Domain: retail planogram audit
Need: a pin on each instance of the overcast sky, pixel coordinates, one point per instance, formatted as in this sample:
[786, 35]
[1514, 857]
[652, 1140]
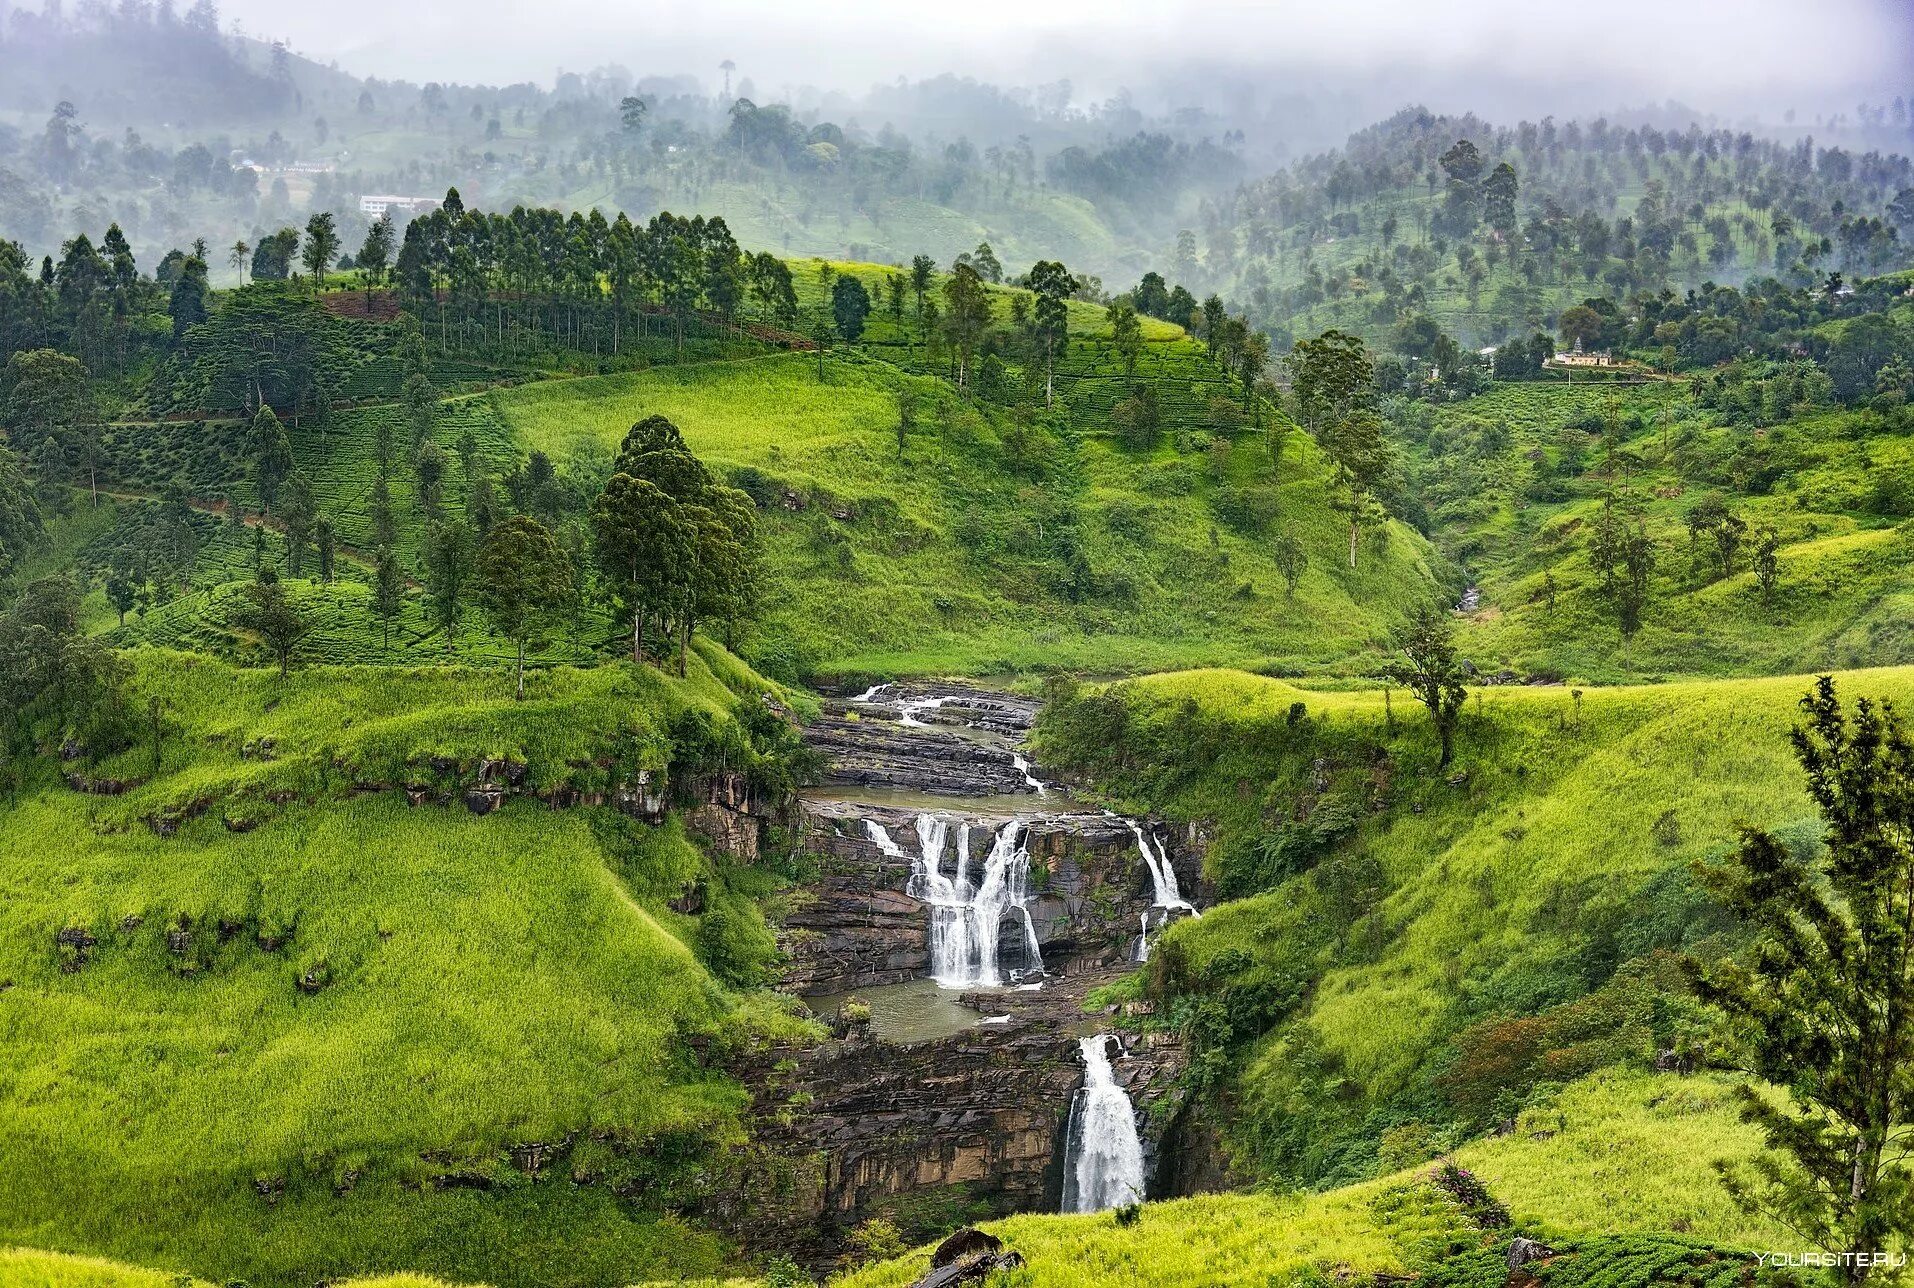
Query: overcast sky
[1733, 56]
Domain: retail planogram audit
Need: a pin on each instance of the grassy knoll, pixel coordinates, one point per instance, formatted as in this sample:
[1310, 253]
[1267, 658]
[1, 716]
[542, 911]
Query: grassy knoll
[1415, 948]
[993, 544]
[1515, 478]
[309, 1034]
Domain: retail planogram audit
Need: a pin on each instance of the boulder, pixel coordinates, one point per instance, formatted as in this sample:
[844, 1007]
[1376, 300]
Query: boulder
[967, 1242]
[1526, 1252]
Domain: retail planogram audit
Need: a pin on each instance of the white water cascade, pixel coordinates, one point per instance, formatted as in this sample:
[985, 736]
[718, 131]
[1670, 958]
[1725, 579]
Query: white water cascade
[966, 917]
[1167, 898]
[1030, 780]
[907, 711]
[1103, 1156]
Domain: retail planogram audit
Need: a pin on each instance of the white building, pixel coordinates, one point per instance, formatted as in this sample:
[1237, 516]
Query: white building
[373, 205]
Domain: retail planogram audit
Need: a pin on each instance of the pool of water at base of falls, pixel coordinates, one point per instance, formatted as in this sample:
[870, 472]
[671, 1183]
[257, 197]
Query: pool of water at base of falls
[917, 1010]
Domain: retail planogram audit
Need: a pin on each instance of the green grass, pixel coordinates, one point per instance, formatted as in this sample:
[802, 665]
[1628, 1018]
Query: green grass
[473, 984]
[1845, 594]
[951, 559]
[1392, 916]
[1614, 1154]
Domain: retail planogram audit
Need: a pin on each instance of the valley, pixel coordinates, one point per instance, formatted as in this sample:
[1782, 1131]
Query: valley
[954, 683]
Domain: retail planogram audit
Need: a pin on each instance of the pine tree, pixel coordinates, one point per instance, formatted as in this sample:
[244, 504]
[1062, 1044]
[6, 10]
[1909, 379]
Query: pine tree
[388, 594]
[1823, 1003]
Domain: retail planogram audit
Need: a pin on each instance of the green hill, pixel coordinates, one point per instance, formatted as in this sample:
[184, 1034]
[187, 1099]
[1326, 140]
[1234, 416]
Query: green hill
[989, 544]
[1598, 1171]
[1003, 537]
[1403, 948]
[1515, 479]
[269, 1020]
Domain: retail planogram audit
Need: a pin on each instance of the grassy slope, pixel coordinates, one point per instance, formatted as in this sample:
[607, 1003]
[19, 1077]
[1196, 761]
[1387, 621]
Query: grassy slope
[955, 557]
[1613, 1154]
[945, 563]
[1846, 592]
[1560, 853]
[489, 982]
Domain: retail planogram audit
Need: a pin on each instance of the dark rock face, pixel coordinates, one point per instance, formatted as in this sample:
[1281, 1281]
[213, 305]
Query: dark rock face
[868, 751]
[729, 814]
[898, 738]
[978, 1119]
[857, 928]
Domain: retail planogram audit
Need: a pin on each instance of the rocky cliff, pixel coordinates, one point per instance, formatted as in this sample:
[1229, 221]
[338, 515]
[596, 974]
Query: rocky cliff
[854, 927]
[930, 1135]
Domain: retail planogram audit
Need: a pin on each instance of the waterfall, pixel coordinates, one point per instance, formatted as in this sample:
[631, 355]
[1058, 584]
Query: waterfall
[1162, 874]
[1166, 899]
[1030, 780]
[907, 712]
[1103, 1156]
[870, 694]
[965, 919]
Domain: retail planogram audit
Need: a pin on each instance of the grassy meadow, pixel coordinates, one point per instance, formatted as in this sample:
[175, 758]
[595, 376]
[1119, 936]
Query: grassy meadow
[1597, 1169]
[1611, 1156]
[1824, 482]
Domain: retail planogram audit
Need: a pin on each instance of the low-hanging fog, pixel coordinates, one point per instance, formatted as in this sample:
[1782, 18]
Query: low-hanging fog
[1739, 60]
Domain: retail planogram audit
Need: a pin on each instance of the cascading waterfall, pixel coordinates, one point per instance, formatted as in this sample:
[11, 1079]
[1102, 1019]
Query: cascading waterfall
[965, 919]
[1030, 780]
[870, 695]
[1167, 899]
[1103, 1155]
[907, 712]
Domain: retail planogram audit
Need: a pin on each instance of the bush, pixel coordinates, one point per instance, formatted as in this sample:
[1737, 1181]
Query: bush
[1248, 510]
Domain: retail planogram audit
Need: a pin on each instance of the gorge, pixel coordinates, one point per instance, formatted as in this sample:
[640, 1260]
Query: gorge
[961, 912]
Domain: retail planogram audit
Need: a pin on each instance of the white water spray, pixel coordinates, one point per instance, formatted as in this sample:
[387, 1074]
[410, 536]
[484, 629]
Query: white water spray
[907, 712]
[870, 695]
[1166, 899]
[1030, 780]
[965, 919]
[1103, 1156]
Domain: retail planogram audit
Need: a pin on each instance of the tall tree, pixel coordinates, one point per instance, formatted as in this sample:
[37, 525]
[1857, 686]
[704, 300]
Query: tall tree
[1361, 453]
[1053, 285]
[375, 253]
[523, 579]
[1431, 670]
[1498, 199]
[643, 547]
[321, 248]
[270, 614]
[1623, 557]
[299, 511]
[850, 305]
[388, 594]
[271, 453]
[968, 316]
[1823, 1003]
[1291, 559]
[1330, 376]
[448, 571]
